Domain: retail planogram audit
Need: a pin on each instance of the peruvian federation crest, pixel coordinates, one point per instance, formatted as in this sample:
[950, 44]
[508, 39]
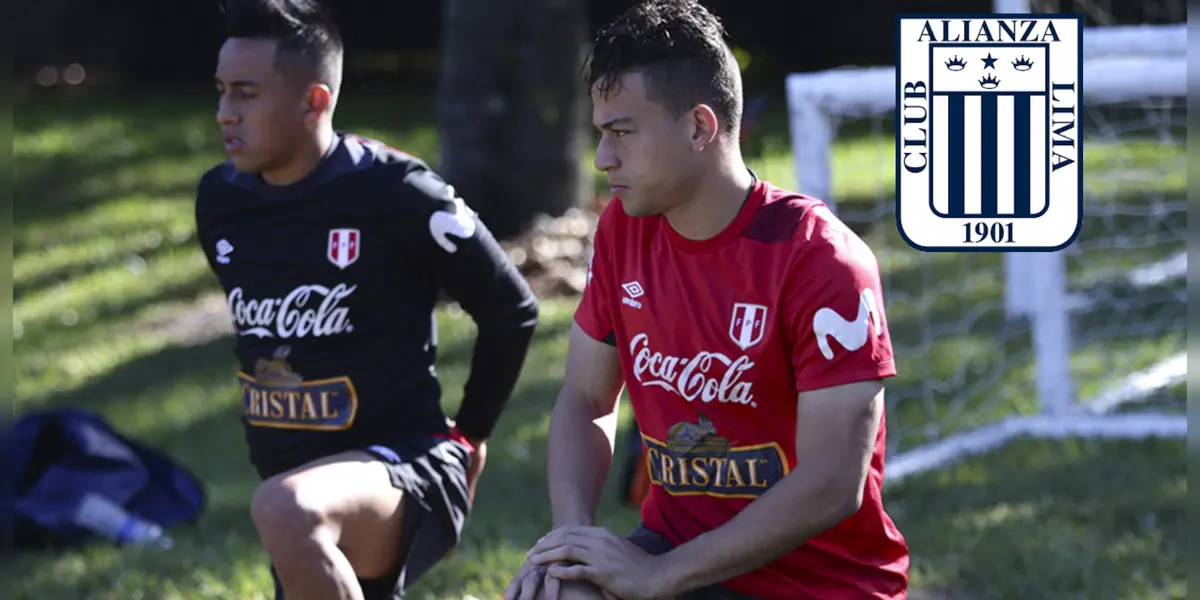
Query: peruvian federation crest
[989, 153]
[343, 247]
[747, 324]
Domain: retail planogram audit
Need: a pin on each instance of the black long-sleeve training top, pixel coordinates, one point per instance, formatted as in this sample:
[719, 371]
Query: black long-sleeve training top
[332, 283]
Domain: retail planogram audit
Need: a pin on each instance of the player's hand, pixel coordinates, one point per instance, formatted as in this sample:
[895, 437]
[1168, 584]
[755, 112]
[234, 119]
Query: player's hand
[602, 557]
[528, 581]
[533, 577]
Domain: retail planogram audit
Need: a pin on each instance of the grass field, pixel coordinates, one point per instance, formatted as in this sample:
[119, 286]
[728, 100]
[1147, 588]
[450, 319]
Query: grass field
[106, 275]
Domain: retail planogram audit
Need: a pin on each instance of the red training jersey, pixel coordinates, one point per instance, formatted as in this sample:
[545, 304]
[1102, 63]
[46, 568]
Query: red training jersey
[716, 338]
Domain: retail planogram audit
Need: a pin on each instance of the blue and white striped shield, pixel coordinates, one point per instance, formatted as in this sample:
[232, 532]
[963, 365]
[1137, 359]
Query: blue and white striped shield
[988, 148]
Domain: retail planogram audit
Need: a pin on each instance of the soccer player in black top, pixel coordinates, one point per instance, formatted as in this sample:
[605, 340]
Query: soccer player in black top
[332, 250]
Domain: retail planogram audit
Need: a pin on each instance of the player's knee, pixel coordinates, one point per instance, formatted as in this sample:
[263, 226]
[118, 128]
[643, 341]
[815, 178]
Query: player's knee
[285, 519]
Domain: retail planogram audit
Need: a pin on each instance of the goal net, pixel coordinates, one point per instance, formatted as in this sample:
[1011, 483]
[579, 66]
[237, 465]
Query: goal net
[1088, 341]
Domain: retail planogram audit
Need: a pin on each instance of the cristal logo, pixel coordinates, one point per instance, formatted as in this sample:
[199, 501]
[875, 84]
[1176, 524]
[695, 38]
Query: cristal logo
[293, 316]
[707, 376]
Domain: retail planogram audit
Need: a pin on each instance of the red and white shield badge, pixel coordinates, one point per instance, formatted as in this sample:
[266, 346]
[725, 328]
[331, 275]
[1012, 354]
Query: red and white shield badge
[343, 247]
[747, 325]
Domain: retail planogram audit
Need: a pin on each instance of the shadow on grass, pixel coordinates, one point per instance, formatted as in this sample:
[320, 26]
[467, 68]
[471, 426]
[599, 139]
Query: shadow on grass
[48, 190]
[181, 291]
[48, 278]
[151, 373]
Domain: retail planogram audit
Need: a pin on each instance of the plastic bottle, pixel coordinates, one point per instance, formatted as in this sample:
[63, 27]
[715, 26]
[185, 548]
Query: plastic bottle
[107, 519]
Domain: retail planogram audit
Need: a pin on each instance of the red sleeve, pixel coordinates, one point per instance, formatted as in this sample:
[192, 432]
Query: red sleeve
[594, 314]
[838, 327]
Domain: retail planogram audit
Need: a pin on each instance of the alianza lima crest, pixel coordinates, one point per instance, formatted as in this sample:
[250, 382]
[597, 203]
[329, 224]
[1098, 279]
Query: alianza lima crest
[989, 152]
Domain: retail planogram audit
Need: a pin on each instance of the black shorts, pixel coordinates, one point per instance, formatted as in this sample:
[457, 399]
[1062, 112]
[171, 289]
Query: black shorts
[432, 473]
[655, 544]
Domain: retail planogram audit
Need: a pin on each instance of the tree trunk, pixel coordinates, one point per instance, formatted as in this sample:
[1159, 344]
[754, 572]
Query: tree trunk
[511, 108]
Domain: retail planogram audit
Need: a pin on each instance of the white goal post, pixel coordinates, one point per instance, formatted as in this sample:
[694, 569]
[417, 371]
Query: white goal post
[1133, 68]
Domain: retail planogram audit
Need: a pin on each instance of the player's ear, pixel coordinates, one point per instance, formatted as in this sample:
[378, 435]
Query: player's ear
[704, 126]
[318, 101]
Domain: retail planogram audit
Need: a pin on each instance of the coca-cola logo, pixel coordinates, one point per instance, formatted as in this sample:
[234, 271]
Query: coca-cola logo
[707, 376]
[307, 311]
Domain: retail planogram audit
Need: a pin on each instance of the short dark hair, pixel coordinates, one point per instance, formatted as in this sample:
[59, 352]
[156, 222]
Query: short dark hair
[308, 37]
[680, 49]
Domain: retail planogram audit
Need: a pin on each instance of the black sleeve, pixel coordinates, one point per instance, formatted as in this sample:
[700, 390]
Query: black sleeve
[460, 254]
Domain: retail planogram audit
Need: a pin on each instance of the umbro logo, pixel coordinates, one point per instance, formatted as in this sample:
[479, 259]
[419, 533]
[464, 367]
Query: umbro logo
[224, 249]
[633, 290]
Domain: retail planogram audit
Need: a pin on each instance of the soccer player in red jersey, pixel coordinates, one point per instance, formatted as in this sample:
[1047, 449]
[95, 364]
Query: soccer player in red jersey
[747, 322]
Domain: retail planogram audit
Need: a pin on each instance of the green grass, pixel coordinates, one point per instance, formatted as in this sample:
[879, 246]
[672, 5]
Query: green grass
[105, 256]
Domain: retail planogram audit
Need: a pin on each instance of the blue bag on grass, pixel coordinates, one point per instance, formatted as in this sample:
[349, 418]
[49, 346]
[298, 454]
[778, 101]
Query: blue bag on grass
[57, 458]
